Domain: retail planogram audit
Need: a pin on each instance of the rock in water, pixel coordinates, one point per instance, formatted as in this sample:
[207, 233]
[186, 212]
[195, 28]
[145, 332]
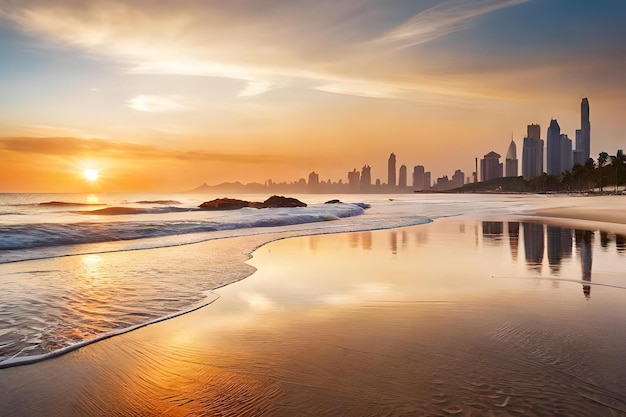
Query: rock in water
[234, 204]
[224, 204]
[280, 201]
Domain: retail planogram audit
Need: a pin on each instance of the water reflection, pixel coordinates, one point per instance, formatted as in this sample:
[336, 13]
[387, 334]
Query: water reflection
[559, 246]
[492, 232]
[533, 245]
[513, 228]
[584, 240]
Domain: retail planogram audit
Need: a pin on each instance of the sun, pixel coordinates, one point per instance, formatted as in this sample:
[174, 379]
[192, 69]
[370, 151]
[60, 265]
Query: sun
[91, 175]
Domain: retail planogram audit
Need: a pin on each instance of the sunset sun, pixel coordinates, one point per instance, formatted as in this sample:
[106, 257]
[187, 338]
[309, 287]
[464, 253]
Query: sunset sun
[91, 175]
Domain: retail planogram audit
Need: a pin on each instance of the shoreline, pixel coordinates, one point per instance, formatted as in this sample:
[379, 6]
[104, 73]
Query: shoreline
[217, 345]
[574, 217]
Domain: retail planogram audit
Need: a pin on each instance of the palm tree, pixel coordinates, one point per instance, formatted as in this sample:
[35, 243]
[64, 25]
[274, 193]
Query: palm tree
[618, 162]
[602, 158]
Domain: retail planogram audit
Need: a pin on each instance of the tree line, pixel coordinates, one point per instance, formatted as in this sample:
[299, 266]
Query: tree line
[607, 172]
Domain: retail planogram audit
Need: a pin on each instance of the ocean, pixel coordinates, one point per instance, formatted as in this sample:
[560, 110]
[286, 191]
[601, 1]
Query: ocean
[76, 268]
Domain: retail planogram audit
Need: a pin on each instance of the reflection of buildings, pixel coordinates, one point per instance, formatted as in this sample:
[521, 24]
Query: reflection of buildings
[559, 246]
[584, 240]
[366, 240]
[533, 245]
[620, 243]
[514, 238]
[492, 231]
[393, 242]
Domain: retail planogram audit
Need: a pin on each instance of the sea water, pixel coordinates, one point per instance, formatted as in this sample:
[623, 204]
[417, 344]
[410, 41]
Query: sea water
[76, 268]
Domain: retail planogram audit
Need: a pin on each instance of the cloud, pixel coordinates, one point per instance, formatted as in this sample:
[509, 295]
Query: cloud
[254, 88]
[103, 148]
[447, 17]
[156, 103]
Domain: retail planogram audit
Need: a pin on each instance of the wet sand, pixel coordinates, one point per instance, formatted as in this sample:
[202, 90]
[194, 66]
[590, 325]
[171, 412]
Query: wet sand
[458, 317]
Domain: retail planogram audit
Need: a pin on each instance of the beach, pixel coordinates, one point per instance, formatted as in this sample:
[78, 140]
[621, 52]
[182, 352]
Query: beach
[472, 315]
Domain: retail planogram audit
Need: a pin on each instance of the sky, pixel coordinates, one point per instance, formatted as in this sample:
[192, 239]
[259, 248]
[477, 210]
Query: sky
[165, 96]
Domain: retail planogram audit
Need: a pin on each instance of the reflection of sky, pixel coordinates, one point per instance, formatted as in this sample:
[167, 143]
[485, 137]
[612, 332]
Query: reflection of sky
[396, 265]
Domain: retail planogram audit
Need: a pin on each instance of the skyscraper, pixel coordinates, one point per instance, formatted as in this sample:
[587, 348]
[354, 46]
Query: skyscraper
[402, 177]
[366, 179]
[579, 154]
[554, 148]
[566, 154]
[391, 171]
[490, 166]
[418, 178]
[532, 152]
[585, 127]
[354, 179]
[511, 165]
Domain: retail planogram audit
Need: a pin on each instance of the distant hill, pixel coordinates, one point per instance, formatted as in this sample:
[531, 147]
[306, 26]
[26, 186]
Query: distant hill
[229, 187]
[498, 185]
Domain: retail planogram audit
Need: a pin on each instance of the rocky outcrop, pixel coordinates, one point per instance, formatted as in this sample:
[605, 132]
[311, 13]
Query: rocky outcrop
[280, 201]
[224, 204]
[335, 201]
[274, 201]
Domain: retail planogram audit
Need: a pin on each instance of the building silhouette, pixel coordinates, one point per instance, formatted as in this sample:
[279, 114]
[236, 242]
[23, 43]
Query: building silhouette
[427, 181]
[532, 152]
[391, 171]
[314, 182]
[418, 178]
[366, 179]
[553, 138]
[585, 130]
[354, 180]
[402, 177]
[511, 165]
[578, 154]
[458, 179]
[490, 166]
[566, 153]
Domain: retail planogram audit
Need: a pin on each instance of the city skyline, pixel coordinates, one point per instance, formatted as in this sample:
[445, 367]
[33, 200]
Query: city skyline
[162, 96]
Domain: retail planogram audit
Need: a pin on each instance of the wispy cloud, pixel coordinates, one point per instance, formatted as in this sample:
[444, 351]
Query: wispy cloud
[157, 103]
[254, 88]
[103, 148]
[447, 17]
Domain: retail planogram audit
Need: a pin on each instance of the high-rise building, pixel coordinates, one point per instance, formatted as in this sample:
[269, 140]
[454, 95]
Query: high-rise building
[354, 179]
[566, 154]
[457, 179]
[585, 127]
[490, 167]
[427, 181]
[366, 179]
[402, 177]
[418, 178]
[579, 154]
[314, 179]
[532, 152]
[391, 171]
[511, 164]
[553, 159]
[534, 131]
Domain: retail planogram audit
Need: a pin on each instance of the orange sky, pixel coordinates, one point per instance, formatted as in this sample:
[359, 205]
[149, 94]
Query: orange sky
[166, 97]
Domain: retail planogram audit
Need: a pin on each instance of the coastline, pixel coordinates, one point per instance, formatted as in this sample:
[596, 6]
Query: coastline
[188, 366]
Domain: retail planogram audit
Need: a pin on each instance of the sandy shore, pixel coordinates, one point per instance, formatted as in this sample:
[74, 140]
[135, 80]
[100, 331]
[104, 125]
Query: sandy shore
[450, 318]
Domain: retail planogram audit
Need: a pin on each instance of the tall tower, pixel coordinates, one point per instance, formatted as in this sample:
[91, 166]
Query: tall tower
[585, 127]
[554, 148]
[391, 171]
[402, 180]
[511, 164]
[366, 179]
